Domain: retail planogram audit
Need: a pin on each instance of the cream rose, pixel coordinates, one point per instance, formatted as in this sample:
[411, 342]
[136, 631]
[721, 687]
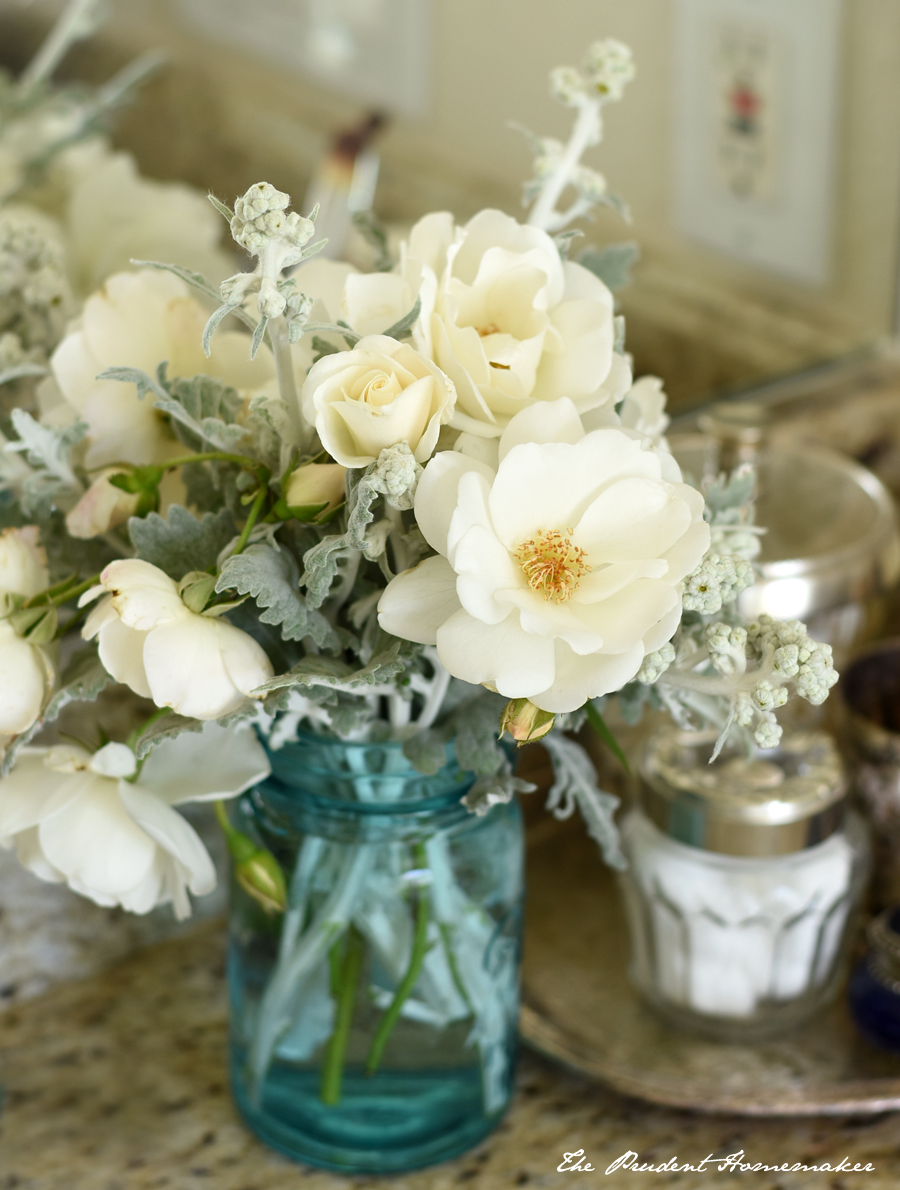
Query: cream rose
[377, 395]
[199, 665]
[26, 673]
[557, 572]
[138, 320]
[114, 835]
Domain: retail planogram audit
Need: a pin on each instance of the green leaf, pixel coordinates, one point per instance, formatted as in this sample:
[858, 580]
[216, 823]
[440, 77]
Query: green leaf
[321, 347]
[403, 328]
[270, 576]
[599, 724]
[165, 728]
[612, 264]
[181, 542]
[81, 681]
[205, 411]
[375, 235]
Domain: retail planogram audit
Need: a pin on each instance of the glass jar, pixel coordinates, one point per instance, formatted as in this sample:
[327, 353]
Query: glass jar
[742, 883]
[373, 1024]
[874, 990]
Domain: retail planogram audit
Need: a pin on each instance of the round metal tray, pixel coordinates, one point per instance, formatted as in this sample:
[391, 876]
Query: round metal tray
[579, 1007]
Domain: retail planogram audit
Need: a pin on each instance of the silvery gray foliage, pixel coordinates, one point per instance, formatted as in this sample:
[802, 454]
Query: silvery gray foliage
[180, 542]
[575, 785]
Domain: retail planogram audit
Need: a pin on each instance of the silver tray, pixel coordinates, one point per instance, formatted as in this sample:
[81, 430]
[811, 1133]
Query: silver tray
[579, 1007]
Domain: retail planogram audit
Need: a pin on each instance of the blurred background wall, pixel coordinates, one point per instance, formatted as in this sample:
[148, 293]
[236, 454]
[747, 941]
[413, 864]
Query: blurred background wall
[225, 113]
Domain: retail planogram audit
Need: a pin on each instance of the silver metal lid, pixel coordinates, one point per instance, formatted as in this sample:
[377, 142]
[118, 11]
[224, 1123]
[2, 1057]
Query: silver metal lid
[781, 801]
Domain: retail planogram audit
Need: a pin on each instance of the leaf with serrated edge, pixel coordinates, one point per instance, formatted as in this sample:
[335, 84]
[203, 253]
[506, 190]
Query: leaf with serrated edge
[181, 542]
[166, 728]
[269, 576]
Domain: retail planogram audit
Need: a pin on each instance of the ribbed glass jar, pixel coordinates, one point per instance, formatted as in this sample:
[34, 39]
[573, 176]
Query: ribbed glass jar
[373, 1024]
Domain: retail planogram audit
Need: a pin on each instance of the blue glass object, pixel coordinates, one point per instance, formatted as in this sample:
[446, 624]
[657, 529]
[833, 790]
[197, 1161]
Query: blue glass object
[373, 1025]
[874, 989]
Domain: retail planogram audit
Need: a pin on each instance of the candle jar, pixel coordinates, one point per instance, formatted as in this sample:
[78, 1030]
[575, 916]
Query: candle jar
[874, 990]
[742, 885]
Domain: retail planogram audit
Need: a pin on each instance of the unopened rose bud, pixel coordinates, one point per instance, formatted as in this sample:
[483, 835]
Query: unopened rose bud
[261, 878]
[102, 507]
[316, 484]
[524, 721]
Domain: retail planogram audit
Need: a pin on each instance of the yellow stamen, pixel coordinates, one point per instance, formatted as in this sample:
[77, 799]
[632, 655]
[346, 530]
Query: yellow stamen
[552, 565]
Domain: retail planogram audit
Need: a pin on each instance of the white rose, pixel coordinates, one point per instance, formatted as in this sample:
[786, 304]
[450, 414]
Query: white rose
[26, 673]
[199, 665]
[558, 572]
[377, 395]
[77, 818]
[512, 323]
[111, 216]
[138, 320]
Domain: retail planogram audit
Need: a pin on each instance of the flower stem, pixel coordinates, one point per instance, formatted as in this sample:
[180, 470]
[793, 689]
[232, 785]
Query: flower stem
[348, 982]
[256, 508]
[62, 592]
[587, 125]
[408, 982]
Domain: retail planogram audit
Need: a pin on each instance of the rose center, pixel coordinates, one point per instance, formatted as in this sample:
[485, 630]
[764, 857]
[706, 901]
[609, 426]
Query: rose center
[552, 565]
[489, 328]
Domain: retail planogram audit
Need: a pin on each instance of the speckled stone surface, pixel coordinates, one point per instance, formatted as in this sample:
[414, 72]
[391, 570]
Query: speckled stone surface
[118, 1083]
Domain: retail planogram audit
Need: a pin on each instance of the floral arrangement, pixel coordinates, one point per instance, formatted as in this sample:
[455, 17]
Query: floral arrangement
[410, 504]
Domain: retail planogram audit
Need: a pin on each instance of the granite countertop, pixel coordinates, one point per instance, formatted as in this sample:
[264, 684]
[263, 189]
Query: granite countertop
[118, 1082]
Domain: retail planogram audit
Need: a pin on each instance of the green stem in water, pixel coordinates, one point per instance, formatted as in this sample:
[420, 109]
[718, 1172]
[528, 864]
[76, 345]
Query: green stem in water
[348, 982]
[408, 982]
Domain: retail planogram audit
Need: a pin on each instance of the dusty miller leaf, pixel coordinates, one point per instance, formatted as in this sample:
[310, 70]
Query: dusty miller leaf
[145, 384]
[270, 576]
[20, 370]
[46, 447]
[166, 728]
[612, 264]
[476, 724]
[402, 328]
[207, 409]
[321, 562]
[388, 660]
[575, 784]
[182, 542]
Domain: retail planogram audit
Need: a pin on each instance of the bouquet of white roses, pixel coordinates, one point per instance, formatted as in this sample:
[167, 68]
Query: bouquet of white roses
[407, 504]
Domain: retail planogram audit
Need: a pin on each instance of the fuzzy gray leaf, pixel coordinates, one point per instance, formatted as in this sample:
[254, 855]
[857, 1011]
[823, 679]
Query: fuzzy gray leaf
[321, 562]
[166, 728]
[205, 408]
[20, 370]
[612, 264]
[214, 319]
[182, 542]
[575, 784]
[402, 328]
[145, 384]
[426, 751]
[258, 336]
[45, 447]
[386, 662]
[476, 725]
[270, 576]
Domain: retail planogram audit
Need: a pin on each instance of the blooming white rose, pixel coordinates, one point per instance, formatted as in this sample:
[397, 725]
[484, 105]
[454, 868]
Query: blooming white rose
[557, 572]
[110, 215]
[199, 665]
[77, 818]
[513, 324]
[377, 395]
[138, 320]
[26, 673]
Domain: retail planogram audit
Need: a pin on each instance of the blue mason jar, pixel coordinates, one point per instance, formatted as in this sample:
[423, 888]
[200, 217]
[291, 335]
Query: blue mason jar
[373, 1024]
